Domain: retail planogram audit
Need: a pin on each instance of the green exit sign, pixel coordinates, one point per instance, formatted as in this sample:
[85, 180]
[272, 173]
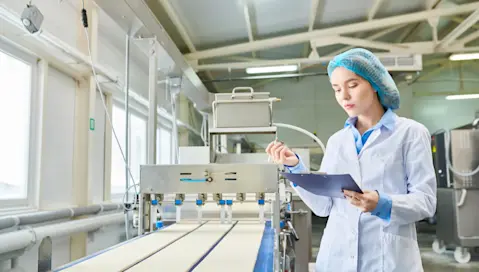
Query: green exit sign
[92, 124]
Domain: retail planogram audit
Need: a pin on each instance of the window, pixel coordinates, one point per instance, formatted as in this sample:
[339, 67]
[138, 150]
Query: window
[163, 146]
[15, 106]
[137, 152]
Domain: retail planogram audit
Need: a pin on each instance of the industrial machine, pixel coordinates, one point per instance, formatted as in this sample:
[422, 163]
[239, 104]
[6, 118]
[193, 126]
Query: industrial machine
[456, 162]
[214, 211]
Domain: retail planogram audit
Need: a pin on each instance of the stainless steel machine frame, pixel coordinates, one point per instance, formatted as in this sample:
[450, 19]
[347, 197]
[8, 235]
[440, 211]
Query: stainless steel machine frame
[219, 178]
[457, 203]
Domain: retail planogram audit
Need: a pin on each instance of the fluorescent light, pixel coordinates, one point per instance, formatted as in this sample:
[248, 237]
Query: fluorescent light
[272, 69]
[462, 96]
[470, 56]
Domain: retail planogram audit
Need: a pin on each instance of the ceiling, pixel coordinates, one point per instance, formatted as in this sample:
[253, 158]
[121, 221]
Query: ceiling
[254, 32]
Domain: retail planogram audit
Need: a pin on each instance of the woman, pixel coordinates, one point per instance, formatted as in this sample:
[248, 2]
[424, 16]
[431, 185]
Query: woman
[390, 159]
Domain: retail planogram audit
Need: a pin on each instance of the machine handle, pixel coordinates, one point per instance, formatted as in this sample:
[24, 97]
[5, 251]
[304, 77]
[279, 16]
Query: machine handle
[243, 88]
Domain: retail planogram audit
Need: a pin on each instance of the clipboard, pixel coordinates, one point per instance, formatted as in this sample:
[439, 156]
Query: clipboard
[323, 184]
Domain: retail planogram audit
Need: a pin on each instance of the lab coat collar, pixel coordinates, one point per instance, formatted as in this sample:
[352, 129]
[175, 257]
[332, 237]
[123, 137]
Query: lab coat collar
[388, 120]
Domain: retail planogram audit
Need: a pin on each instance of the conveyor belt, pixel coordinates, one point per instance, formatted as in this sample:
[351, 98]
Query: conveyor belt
[238, 251]
[183, 254]
[187, 247]
[123, 257]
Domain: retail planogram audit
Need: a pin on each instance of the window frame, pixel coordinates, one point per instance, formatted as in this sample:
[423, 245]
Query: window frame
[139, 114]
[142, 112]
[31, 199]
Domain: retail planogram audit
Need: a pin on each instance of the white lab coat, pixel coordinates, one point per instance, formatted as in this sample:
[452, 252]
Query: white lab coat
[396, 162]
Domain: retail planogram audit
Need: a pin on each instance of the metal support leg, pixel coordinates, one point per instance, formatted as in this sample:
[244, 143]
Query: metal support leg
[275, 224]
[141, 215]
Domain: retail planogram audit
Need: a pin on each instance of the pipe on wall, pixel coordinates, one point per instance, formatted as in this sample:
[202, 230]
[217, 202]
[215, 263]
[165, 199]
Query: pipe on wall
[19, 240]
[46, 216]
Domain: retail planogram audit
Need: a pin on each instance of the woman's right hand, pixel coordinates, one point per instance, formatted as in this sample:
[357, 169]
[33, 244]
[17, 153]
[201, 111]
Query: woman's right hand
[281, 154]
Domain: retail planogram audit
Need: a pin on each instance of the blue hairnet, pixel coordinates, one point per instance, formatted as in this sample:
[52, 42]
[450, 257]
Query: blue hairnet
[367, 65]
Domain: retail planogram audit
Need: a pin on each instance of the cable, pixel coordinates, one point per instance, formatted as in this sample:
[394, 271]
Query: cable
[85, 24]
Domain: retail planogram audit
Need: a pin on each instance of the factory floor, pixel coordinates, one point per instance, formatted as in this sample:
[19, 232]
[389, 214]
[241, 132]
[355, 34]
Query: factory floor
[432, 262]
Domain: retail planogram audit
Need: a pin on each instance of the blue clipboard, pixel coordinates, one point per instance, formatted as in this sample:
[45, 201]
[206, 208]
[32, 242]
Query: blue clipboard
[323, 184]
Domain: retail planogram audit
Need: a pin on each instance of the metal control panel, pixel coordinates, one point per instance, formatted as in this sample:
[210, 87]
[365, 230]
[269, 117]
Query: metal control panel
[209, 178]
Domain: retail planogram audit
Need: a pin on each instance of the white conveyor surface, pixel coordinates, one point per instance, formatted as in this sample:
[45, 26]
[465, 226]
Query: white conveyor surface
[237, 251]
[121, 258]
[186, 252]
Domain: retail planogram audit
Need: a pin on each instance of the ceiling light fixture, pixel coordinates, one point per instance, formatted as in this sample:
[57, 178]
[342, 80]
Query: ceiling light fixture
[469, 56]
[272, 69]
[462, 96]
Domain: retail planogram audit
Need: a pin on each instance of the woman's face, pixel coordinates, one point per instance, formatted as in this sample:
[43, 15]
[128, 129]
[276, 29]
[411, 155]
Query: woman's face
[353, 93]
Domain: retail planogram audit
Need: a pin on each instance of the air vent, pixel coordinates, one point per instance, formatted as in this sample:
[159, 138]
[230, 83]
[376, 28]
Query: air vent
[401, 62]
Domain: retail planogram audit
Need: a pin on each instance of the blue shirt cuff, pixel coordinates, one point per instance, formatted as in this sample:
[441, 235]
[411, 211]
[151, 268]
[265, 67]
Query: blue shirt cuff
[384, 207]
[298, 168]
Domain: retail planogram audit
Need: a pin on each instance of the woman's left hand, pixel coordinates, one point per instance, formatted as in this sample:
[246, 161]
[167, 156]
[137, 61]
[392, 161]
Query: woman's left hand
[366, 202]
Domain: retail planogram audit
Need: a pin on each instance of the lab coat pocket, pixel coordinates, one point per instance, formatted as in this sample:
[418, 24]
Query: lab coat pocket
[400, 254]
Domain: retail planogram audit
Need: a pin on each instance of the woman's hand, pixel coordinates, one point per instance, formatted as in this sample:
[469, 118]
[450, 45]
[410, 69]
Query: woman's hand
[366, 202]
[281, 154]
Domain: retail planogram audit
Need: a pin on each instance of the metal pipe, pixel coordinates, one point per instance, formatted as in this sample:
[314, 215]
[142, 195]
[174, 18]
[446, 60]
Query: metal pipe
[152, 116]
[266, 77]
[127, 127]
[46, 216]
[127, 112]
[175, 136]
[20, 240]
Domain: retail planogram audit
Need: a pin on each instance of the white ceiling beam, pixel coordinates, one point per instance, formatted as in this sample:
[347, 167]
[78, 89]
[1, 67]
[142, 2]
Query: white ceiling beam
[460, 29]
[350, 28]
[358, 42]
[469, 38]
[182, 30]
[417, 48]
[312, 14]
[373, 44]
[374, 9]
[179, 26]
[297, 61]
[248, 20]
[371, 38]
[247, 64]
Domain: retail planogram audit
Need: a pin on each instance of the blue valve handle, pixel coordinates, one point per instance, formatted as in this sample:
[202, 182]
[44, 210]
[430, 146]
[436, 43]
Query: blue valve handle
[193, 180]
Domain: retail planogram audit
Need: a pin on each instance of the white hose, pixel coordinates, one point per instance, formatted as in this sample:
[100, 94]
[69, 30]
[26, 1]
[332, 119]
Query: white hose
[311, 135]
[463, 198]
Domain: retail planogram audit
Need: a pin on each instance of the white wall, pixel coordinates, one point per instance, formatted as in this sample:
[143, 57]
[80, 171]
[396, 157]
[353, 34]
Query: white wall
[434, 111]
[61, 20]
[57, 168]
[57, 155]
